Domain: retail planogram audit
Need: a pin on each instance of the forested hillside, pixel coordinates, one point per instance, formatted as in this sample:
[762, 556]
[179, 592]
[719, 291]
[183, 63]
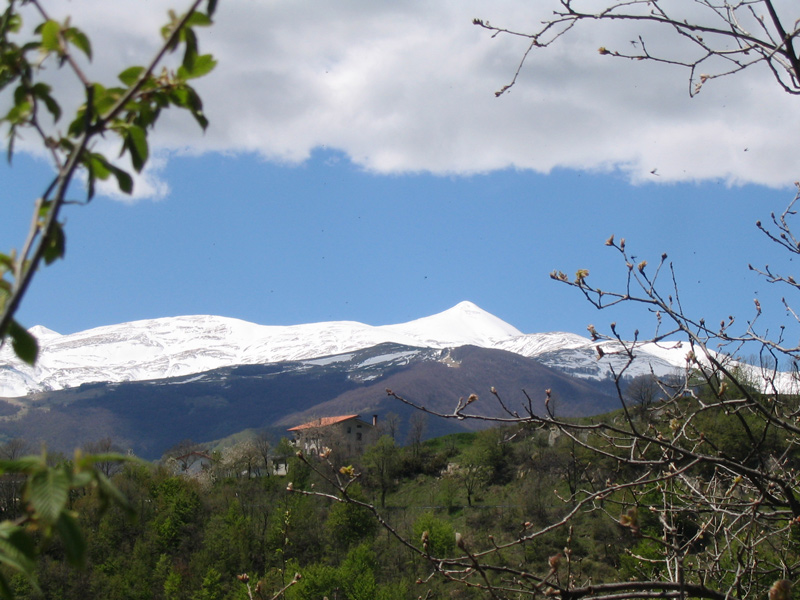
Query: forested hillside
[197, 537]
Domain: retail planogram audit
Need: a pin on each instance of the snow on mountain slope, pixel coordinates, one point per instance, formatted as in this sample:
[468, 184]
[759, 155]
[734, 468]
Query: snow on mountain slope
[534, 344]
[169, 347]
[176, 346]
[577, 355]
[465, 322]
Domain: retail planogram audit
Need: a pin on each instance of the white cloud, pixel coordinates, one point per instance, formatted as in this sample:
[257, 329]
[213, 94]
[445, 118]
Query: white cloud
[409, 86]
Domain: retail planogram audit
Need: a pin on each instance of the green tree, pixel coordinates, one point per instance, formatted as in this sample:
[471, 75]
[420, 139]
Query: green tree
[319, 581]
[357, 573]
[211, 588]
[381, 462]
[349, 524]
[173, 586]
[492, 451]
[177, 506]
[435, 536]
[473, 471]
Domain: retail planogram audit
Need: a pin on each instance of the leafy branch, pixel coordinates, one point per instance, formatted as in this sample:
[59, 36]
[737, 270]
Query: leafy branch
[126, 112]
[46, 496]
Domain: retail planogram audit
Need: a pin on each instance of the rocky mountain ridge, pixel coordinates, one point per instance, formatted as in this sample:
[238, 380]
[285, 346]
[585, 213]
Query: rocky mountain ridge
[180, 346]
[148, 417]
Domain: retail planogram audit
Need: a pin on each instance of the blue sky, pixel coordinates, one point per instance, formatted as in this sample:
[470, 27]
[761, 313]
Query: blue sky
[385, 206]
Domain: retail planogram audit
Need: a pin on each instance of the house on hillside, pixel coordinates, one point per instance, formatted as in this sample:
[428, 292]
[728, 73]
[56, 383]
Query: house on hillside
[192, 463]
[347, 434]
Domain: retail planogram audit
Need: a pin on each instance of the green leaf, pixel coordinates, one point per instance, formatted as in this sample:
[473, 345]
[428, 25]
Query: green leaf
[50, 30]
[168, 29]
[201, 119]
[146, 114]
[72, 538]
[17, 549]
[42, 91]
[78, 125]
[79, 39]
[136, 142]
[101, 99]
[12, 136]
[66, 144]
[202, 65]
[55, 244]
[48, 491]
[24, 344]
[124, 180]
[13, 23]
[81, 479]
[131, 75]
[18, 552]
[44, 208]
[26, 464]
[19, 113]
[97, 166]
[190, 54]
[20, 93]
[198, 19]
[104, 98]
[91, 179]
[187, 98]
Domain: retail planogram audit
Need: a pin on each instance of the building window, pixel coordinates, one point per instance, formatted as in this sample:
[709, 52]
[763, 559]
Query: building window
[349, 429]
[358, 436]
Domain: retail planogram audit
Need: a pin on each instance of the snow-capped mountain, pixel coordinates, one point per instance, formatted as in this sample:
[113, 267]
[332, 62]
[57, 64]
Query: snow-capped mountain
[179, 346]
[148, 417]
[578, 356]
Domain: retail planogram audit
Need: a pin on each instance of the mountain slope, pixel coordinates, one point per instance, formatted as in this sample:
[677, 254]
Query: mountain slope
[172, 347]
[578, 356]
[150, 416]
[180, 346]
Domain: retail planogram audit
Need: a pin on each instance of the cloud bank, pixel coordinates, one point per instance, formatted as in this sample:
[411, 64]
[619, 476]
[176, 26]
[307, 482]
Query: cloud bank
[409, 86]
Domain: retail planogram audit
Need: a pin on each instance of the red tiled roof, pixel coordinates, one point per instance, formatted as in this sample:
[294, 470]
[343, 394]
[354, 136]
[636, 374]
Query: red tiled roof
[323, 422]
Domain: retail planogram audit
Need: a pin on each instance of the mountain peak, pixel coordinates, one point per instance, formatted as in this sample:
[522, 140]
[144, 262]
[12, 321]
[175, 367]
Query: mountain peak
[41, 332]
[465, 323]
[466, 305]
[185, 345]
[188, 345]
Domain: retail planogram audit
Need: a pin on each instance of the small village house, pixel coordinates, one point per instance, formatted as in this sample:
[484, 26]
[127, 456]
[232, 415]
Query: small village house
[193, 463]
[347, 434]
